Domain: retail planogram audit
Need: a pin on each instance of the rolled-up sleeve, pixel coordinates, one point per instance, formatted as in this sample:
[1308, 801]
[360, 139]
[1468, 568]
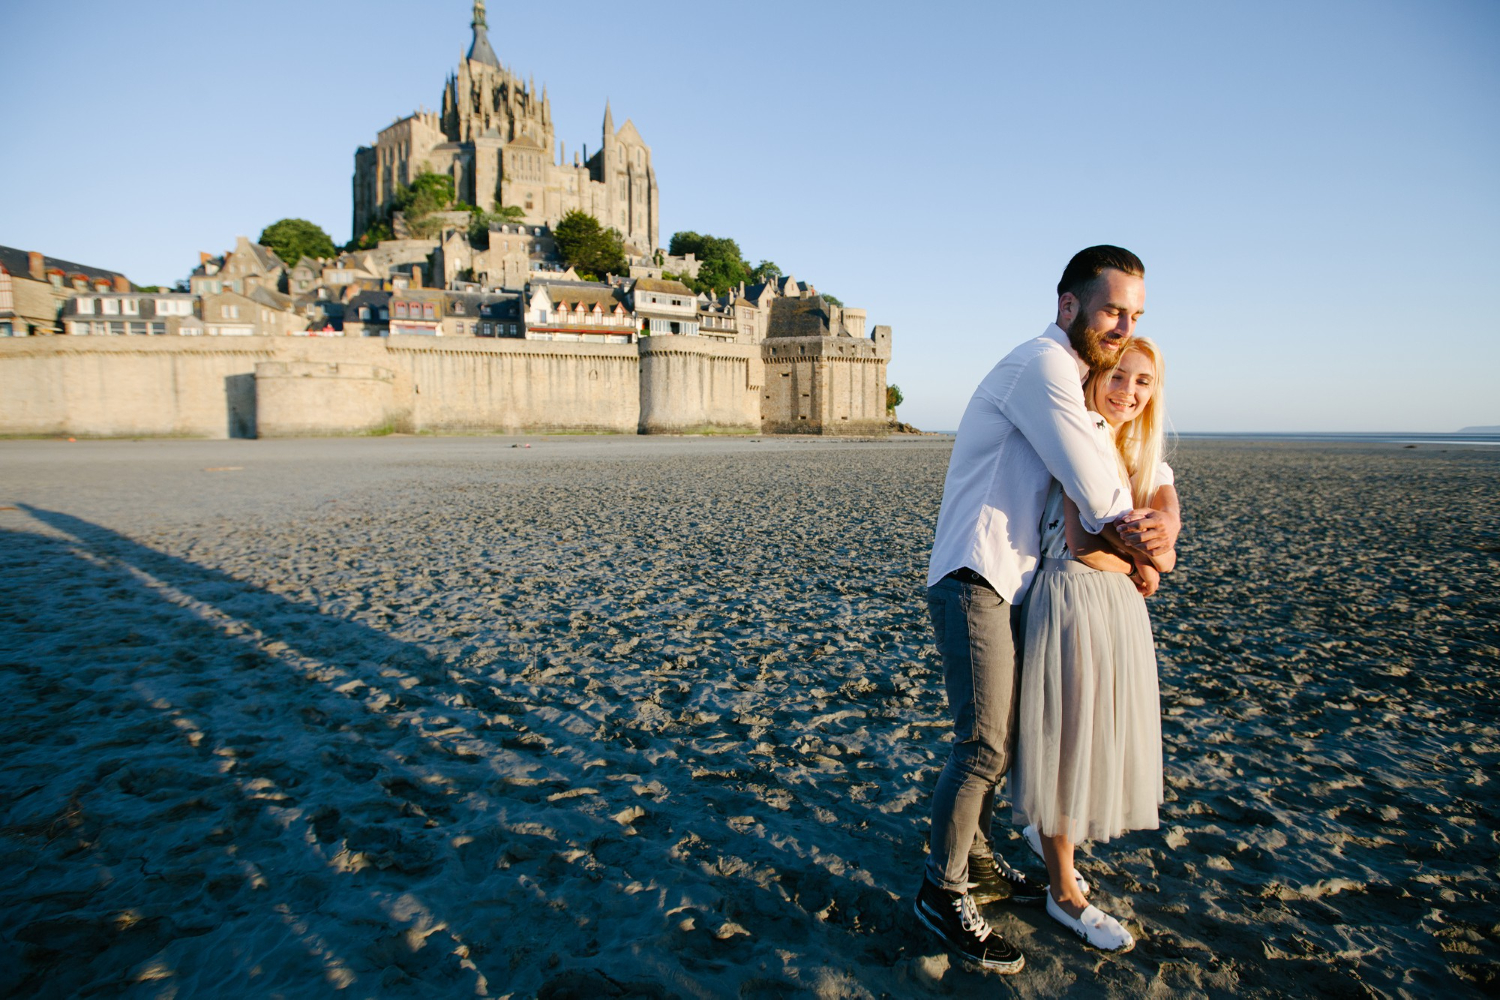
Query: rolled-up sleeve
[1047, 407]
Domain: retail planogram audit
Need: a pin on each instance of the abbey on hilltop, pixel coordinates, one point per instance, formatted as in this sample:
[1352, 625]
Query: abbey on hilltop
[448, 317]
[494, 137]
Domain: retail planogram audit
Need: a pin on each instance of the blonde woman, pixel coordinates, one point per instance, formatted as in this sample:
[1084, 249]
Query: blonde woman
[1089, 761]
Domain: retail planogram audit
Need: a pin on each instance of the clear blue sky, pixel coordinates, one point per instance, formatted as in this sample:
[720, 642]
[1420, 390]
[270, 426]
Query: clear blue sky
[1314, 187]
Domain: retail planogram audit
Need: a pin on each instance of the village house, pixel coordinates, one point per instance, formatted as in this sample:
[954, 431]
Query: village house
[260, 312]
[34, 288]
[247, 266]
[585, 311]
[664, 307]
[131, 313]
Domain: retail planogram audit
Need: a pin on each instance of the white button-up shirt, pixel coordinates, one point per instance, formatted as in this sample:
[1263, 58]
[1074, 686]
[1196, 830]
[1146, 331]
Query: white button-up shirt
[1025, 426]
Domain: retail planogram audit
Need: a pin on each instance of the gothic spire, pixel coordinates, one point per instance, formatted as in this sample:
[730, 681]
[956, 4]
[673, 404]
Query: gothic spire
[609, 120]
[480, 50]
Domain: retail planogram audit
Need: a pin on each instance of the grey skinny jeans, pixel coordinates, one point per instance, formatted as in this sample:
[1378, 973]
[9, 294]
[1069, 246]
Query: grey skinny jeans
[976, 639]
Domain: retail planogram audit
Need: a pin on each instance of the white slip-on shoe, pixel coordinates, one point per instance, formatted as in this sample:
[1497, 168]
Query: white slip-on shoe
[1096, 927]
[1034, 841]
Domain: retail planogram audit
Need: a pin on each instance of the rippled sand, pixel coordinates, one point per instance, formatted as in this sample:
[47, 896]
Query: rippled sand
[650, 717]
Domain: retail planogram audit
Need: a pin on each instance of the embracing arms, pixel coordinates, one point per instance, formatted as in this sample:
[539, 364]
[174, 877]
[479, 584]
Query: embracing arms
[1109, 551]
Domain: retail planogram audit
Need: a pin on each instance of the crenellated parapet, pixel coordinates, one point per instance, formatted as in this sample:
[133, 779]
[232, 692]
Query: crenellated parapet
[823, 376]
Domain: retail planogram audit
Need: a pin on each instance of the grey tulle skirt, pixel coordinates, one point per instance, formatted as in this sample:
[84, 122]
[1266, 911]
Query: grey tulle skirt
[1088, 747]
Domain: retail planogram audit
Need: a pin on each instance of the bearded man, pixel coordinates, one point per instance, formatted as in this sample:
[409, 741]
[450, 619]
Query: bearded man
[1025, 426]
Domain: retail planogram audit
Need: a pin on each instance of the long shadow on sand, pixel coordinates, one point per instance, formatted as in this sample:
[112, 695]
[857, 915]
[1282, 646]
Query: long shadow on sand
[214, 787]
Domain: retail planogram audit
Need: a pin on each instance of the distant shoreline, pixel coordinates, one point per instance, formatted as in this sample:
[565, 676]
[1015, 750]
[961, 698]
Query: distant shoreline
[1466, 437]
[1386, 437]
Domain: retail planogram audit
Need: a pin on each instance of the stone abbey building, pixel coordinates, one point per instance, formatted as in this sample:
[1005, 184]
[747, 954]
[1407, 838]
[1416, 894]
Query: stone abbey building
[494, 137]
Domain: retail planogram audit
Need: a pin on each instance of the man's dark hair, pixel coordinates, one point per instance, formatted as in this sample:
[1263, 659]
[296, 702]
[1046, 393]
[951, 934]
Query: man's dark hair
[1083, 270]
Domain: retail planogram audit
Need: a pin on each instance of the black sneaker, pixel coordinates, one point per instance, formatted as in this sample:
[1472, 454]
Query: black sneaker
[991, 880]
[953, 917]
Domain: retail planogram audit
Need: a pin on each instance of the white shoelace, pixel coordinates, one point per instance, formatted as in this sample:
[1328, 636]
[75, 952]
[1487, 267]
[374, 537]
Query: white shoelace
[969, 917]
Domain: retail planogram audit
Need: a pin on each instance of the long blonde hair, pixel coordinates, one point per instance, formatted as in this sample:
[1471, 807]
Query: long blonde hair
[1140, 441]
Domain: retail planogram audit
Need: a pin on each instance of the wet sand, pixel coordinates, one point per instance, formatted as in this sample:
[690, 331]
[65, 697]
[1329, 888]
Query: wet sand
[658, 717]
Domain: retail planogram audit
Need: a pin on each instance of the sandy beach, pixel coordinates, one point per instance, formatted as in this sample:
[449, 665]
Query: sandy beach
[645, 717]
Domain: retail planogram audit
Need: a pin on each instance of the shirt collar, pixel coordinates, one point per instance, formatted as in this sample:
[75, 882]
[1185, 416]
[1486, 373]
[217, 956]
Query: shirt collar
[1060, 335]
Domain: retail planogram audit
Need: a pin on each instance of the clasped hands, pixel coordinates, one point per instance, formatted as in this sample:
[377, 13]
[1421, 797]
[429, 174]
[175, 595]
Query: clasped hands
[1147, 533]
[1150, 532]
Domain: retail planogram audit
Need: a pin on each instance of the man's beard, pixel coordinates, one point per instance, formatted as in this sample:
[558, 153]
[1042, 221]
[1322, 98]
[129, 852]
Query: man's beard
[1089, 343]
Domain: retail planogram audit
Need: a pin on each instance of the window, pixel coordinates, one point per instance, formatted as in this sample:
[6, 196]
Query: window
[400, 310]
[130, 307]
[117, 329]
[429, 311]
[109, 307]
[85, 307]
[80, 329]
[486, 329]
[227, 312]
[139, 329]
[158, 329]
[364, 312]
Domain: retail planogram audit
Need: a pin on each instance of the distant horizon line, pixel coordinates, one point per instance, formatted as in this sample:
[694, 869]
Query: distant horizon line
[1481, 434]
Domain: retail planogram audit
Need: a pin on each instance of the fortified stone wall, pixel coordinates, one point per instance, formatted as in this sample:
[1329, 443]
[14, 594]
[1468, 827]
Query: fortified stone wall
[466, 384]
[207, 386]
[278, 386]
[316, 399]
[131, 386]
[693, 384]
[825, 385]
[219, 387]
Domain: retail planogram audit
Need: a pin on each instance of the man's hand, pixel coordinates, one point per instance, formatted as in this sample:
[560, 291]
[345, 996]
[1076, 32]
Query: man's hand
[1146, 578]
[1150, 531]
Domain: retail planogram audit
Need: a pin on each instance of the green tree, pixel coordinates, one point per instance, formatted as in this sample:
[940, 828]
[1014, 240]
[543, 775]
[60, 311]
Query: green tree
[378, 230]
[720, 265]
[428, 193]
[293, 239]
[588, 247]
[832, 300]
[766, 270]
[893, 398]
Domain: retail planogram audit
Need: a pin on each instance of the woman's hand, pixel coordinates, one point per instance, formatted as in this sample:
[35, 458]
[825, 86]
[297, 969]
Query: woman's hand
[1145, 577]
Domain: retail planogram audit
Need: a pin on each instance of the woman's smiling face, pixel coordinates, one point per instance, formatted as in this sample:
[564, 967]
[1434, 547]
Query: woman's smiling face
[1122, 395]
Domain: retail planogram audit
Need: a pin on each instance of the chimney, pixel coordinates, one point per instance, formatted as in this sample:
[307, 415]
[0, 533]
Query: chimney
[122, 283]
[416, 276]
[35, 266]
